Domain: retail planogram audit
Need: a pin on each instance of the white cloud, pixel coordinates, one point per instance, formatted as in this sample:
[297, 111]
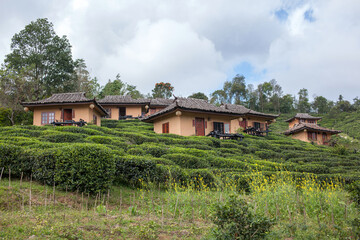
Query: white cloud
[167, 51]
[196, 44]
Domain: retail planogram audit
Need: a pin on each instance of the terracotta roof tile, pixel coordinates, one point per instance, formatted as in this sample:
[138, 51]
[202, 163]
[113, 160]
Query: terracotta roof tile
[118, 99]
[243, 110]
[63, 98]
[161, 102]
[309, 126]
[191, 104]
[303, 116]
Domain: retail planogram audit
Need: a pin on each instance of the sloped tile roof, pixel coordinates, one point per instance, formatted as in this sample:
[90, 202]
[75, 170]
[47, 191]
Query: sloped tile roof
[63, 98]
[243, 110]
[309, 126]
[303, 116]
[161, 102]
[118, 99]
[191, 104]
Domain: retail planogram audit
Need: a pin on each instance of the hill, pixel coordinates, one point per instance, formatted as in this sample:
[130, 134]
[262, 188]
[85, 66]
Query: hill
[139, 153]
[124, 181]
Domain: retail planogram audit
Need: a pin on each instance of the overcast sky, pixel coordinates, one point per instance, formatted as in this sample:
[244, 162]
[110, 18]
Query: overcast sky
[198, 44]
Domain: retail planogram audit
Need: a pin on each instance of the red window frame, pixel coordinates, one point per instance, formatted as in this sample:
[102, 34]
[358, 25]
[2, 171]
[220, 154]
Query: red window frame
[47, 117]
[94, 119]
[165, 127]
[312, 136]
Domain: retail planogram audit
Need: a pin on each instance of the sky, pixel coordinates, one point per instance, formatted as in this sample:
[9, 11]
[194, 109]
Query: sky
[197, 45]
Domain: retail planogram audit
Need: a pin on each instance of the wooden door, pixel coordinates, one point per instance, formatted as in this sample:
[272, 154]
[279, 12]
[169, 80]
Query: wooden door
[324, 138]
[199, 127]
[122, 112]
[67, 115]
[243, 124]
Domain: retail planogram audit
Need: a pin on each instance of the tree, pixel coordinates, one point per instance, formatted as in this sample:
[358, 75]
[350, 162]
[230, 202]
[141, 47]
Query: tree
[116, 87]
[162, 90]
[321, 105]
[15, 87]
[83, 81]
[49, 55]
[199, 95]
[238, 89]
[276, 95]
[264, 91]
[303, 104]
[218, 97]
[287, 104]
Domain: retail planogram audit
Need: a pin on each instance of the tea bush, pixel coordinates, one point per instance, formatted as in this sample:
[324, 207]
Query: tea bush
[235, 220]
[87, 167]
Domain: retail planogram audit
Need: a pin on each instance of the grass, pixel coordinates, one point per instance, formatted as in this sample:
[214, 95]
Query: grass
[299, 208]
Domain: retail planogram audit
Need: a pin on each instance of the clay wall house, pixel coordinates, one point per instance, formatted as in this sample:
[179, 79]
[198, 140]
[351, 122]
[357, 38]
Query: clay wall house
[62, 107]
[250, 119]
[124, 107]
[188, 116]
[305, 127]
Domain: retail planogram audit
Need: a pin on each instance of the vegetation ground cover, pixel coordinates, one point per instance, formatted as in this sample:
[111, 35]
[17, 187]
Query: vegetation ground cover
[161, 185]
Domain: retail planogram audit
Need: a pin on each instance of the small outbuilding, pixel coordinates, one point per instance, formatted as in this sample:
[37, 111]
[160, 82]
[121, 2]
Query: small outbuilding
[66, 108]
[305, 127]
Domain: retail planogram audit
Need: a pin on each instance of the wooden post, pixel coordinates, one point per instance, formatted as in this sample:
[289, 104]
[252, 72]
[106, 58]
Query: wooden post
[120, 201]
[2, 170]
[54, 192]
[162, 215]
[9, 177]
[21, 179]
[30, 192]
[177, 199]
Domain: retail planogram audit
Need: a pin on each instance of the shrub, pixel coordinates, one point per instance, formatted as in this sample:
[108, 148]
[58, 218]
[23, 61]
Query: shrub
[87, 167]
[187, 161]
[235, 220]
[60, 137]
[115, 141]
[354, 190]
[10, 157]
[44, 164]
[202, 178]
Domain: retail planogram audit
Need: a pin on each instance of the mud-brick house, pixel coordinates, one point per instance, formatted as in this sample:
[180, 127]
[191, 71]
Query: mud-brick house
[65, 107]
[124, 107]
[188, 116]
[157, 104]
[250, 119]
[305, 127]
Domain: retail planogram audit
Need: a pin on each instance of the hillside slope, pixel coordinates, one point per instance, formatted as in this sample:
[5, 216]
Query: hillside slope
[139, 153]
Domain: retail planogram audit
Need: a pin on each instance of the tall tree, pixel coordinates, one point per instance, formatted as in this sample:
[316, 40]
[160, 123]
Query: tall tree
[48, 54]
[264, 91]
[15, 87]
[218, 97]
[199, 95]
[287, 104]
[321, 105]
[115, 87]
[303, 103]
[162, 90]
[83, 81]
[238, 89]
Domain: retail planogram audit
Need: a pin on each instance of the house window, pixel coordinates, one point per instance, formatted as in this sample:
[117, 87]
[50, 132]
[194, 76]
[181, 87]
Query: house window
[311, 121]
[312, 136]
[302, 120]
[219, 127]
[94, 119]
[227, 128]
[47, 117]
[257, 125]
[165, 128]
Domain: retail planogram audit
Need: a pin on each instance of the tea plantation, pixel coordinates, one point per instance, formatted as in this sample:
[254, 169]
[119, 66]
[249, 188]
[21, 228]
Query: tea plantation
[91, 158]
